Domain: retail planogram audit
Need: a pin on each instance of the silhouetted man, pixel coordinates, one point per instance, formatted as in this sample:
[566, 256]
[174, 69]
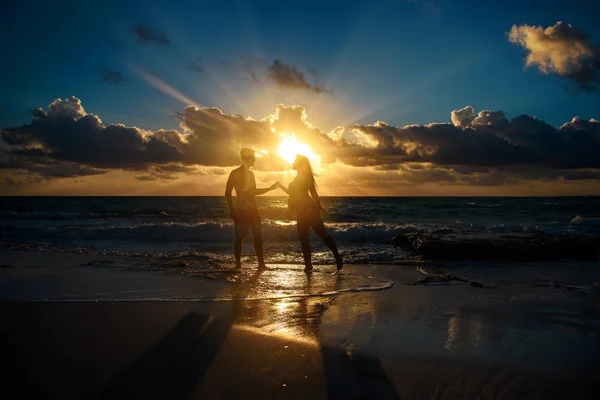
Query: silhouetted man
[245, 214]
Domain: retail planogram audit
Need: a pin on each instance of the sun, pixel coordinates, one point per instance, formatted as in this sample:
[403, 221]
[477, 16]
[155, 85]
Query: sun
[289, 147]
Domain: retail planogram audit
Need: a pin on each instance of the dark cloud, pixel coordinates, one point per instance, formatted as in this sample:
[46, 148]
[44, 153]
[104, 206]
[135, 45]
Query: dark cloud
[145, 178]
[10, 180]
[254, 67]
[164, 173]
[49, 168]
[110, 76]
[196, 65]
[22, 178]
[485, 139]
[483, 148]
[560, 49]
[216, 138]
[290, 76]
[150, 36]
[66, 133]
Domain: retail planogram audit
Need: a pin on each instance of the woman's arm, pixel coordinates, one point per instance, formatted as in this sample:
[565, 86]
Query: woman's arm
[258, 192]
[313, 192]
[286, 190]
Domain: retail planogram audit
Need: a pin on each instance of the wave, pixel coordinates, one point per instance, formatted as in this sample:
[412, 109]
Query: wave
[219, 231]
[108, 297]
[591, 223]
[482, 205]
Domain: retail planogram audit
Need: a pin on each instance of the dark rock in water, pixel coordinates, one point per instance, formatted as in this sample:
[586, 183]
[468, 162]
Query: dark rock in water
[404, 241]
[97, 263]
[490, 246]
[180, 263]
[442, 278]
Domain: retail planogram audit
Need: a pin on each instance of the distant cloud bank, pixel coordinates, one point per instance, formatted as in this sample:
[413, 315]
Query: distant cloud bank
[476, 148]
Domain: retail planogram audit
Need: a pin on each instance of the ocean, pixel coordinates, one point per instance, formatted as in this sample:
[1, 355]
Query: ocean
[510, 282]
[368, 230]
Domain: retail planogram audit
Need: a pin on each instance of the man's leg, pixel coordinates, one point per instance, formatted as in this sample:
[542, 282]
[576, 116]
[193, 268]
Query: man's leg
[241, 230]
[237, 250]
[258, 246]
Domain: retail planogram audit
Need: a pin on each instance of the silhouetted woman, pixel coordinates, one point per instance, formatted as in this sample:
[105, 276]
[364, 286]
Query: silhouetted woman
[305, 203]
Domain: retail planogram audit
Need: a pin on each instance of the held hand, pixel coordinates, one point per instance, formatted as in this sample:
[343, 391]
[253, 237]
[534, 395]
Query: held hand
[275, 185]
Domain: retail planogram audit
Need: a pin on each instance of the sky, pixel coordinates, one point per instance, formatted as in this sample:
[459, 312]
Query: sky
[399, 97]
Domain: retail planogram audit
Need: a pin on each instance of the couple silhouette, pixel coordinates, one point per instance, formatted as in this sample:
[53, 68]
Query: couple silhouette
[303, 201]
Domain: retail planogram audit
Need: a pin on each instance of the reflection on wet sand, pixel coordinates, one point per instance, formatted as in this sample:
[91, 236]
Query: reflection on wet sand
[317, 328]
[289, 318]
[468, 328]
[328, 325]
[299, 318]
[541, 336]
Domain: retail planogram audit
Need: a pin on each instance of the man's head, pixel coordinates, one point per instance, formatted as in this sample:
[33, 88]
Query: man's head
[247, 156]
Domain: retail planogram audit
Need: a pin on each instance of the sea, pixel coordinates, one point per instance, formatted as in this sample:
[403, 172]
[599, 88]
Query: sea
[502, 281]
[368, 230]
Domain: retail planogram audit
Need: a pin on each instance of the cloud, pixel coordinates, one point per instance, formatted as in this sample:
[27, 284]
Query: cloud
[45, 167]
[145, 178]
[155, 173]
[196, 65]
[290, 76]
[482, 148]
[65, 132]
[110, 76]
[150, 36]
[253, 66]
[560, 49]
[486, 139]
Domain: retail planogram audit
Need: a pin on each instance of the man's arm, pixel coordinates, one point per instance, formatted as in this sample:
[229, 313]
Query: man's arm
[228, 197]
[258, 192]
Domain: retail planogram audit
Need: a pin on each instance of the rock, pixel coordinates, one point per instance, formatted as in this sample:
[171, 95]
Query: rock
[490, 246]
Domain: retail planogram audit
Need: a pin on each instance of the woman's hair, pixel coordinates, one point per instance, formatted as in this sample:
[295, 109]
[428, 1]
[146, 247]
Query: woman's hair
[302, 161]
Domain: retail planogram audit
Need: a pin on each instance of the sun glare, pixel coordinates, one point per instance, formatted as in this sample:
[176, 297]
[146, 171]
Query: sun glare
[289, 147]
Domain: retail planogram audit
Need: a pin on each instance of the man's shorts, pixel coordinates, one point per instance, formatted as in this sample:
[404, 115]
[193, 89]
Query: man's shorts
[245, 220]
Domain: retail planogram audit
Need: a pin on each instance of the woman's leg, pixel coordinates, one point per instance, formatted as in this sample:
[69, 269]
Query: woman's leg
[320, 230]
[303, 233]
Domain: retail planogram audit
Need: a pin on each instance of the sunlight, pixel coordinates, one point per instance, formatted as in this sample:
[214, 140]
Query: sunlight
[289, 147]
[159, 84]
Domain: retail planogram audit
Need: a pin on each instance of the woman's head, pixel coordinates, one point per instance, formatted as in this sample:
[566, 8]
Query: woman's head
[302, 165]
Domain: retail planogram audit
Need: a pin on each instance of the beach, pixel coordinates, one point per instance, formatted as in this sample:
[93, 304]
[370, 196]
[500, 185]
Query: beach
[72, 330]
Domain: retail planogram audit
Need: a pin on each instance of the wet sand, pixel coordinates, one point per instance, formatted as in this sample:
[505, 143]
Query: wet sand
[409, 342]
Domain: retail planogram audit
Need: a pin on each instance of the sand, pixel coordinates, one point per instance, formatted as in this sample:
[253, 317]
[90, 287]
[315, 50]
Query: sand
[409, 342]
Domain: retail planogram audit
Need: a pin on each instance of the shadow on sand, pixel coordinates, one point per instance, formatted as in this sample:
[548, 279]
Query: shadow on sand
[178, 362]
[175, 365]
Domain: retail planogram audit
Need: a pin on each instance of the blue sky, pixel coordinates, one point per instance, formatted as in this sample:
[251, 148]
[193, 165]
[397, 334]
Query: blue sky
[403, 62]
[127, 70]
